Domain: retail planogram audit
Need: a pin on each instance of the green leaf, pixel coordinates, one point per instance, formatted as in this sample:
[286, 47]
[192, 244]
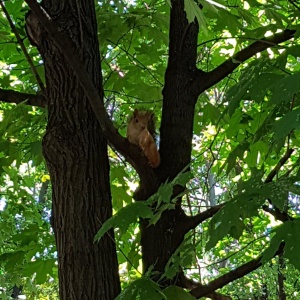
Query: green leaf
[134, 255]
[183, 178]
[277, 17]
[164, 193]
[284, 90]
[279, 193]
[222, 222]
[230, 21]
[183, 256]
[177, 293]
[262, 84]
[233, 155]
[234, 122]
[294, 51]
[210, 113]
[292, 242]
[36, 152]
[124, 217]
[119, 196]
[193, 11]
[42, 268]
[13, 259]
[286, 124]
[230, 218]
[159, 211]
[143, 288]
[289, 232]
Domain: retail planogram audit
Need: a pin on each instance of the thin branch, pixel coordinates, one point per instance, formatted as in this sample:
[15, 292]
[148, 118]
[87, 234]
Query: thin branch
[127, 96]
[10, 96]
[211, 78]
[281, 162]
[20, 41]
[235, 253]
[231, 276]
[141, 65]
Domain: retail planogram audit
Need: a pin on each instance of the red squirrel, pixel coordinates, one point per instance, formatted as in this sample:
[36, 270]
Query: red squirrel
[141, 132]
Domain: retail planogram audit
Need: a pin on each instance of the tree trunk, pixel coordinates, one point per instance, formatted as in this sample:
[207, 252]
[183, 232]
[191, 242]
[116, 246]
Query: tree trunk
[76, 155]
[176, 134]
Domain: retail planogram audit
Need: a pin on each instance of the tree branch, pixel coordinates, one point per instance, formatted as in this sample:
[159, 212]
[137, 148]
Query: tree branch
[131, 152]
[190, 284]
[20, 41]
[231, 276]
[275, 211]
[11, 96]
[192, 222]
[211, 78]
[281, 162]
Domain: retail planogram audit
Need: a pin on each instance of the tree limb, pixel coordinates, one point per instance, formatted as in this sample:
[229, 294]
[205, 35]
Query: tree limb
[231, 276]
[211, 78]
[192, 222]
[276, 213]
[11, 96]
[190, 284]
[131, 152]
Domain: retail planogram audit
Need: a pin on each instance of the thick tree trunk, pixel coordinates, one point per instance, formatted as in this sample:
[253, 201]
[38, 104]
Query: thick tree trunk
[76, 155]
[179, 98]
[176, 134]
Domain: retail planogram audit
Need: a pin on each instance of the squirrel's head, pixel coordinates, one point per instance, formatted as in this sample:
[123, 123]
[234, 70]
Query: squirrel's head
[142, 118]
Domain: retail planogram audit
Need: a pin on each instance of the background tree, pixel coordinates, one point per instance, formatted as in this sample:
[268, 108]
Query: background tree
[228, 141]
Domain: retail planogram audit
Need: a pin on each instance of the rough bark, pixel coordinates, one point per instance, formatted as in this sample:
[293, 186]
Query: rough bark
[175, 135]
[183, 84]
[76, 155]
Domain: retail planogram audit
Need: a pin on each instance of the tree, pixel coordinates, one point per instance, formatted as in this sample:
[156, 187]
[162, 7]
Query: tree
[248, 120]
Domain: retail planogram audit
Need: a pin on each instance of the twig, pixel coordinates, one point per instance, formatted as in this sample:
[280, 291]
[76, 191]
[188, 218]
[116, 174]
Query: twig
[142, 66]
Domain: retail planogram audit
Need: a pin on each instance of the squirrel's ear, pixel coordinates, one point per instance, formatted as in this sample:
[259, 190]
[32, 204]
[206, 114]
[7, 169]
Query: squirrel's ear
[135, 112]
[150, 115]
